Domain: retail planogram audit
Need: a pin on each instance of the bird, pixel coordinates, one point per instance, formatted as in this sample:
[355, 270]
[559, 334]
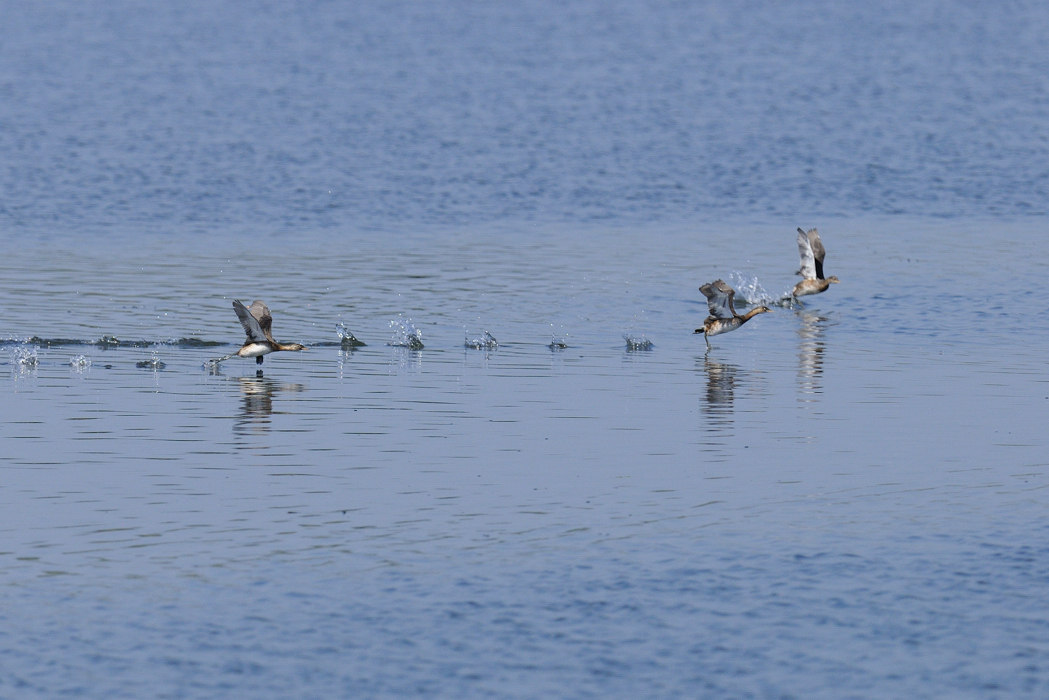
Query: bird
[812, 253]
[257, 323]
[723, 317]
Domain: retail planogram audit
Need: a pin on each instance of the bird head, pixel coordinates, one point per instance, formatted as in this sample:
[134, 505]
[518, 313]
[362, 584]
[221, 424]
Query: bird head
[755, 311]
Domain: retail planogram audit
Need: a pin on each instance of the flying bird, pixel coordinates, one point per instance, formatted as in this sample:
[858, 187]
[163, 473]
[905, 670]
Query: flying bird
[723, 317]
[812, 254]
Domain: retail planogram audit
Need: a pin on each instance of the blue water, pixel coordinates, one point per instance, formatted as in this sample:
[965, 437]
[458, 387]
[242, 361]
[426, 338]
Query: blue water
[843, 500]
[308, 115]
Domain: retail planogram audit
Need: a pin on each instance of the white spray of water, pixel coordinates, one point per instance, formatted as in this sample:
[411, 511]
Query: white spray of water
[749, 291]
[153, 363]
[346, 337]
[634, 343]
[485, 342]
[405, 335]
[24, 358]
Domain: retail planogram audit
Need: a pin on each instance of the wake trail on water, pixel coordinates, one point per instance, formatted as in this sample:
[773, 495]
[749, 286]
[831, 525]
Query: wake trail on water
[109, 341]
[25, 348]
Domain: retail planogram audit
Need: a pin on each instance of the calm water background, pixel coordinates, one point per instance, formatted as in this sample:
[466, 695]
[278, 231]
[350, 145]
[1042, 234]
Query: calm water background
[844, 500]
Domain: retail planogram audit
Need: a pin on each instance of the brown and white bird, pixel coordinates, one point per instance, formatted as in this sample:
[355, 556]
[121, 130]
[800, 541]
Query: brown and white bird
[723, 317]
[812, 253]
[258, 324]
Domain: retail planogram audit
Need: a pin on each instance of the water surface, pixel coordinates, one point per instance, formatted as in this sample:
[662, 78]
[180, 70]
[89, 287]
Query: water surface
[308, 115]
[841, 496]
[840, 500]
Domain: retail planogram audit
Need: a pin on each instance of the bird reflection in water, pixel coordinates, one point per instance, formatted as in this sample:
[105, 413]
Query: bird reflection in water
[810, 355]
[722, 381]
[257, 403]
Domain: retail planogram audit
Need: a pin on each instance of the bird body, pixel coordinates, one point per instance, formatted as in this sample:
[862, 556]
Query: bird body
[250, 349]
[258, 325]
[812, 253]
[717, 326]
[723, 317]
[806, 287]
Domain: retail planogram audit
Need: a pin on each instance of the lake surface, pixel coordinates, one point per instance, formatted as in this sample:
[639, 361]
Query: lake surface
[307, 115]
[849, 495]
[842, 500]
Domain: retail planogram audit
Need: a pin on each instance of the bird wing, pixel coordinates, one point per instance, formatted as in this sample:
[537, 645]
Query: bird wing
[808, 260]
[262, 314]
[249, 322]
[818, 252]
[719, 299]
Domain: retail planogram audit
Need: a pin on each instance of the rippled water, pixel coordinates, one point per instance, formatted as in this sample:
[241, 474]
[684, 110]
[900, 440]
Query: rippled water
[841, 496]
[319, 114]
[505, 466]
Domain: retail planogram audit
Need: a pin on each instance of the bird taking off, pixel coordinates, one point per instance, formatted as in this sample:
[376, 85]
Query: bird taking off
[812, 254]
[258, 325]
[723, 317]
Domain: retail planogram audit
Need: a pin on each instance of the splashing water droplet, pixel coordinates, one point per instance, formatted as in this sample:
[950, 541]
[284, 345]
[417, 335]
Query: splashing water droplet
[749, 291]
[153, 363]
[634, 343]
[25, 358]
[486, 342]
[346, 337]
[406, 335]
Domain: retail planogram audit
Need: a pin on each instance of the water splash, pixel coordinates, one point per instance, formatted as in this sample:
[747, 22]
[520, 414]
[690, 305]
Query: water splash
[346, 338]
[405, 335]
[80, 363]
[749, 291]
[557, 343]
[153, 363]
[24, 358]
[485, 342]
[214, 367]
[636, 343]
